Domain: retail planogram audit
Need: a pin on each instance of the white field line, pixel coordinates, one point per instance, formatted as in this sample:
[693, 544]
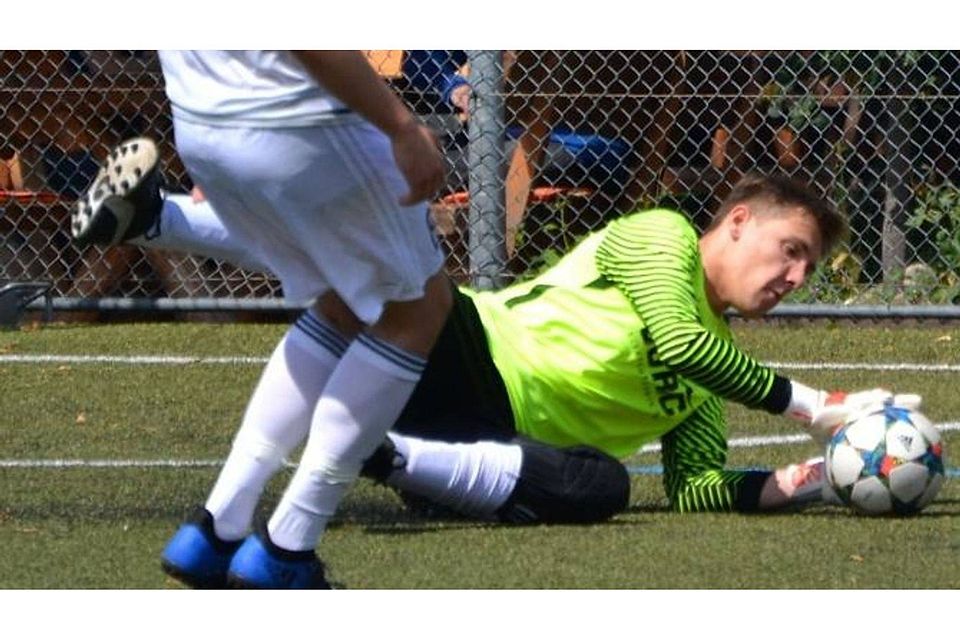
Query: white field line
[754, 441]
[765, 441]
[40, 358]
[865, 366]
[161, 360]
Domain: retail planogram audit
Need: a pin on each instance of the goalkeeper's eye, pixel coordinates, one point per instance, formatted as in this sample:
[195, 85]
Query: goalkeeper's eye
[793, 250]
[798, 251]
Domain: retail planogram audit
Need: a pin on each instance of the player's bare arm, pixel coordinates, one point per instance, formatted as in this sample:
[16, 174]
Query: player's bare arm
[349, 77]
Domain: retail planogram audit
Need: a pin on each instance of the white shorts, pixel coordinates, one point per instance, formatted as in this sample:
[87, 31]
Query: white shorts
[318, 206]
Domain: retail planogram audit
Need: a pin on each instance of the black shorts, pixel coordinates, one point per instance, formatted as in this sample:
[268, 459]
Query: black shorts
[461, 396]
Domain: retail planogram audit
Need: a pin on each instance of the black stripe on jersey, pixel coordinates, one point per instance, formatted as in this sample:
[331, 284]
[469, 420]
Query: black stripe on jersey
[535, 292]
[393, 354]
[653, 260]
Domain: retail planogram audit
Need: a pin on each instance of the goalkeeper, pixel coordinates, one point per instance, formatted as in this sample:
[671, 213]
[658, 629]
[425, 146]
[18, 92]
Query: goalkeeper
[533, 393]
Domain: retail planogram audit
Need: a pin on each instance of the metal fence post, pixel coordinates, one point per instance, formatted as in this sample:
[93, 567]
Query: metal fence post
[487, 217]
[897, 190]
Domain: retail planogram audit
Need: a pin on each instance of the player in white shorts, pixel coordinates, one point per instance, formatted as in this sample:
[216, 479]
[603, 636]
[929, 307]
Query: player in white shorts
[319, 173]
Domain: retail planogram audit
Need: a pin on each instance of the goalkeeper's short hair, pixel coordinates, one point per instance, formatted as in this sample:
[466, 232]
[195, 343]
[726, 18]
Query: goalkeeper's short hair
[786, 191]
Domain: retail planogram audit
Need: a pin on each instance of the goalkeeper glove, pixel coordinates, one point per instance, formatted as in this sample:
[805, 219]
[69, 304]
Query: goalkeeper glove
[823, 413]
[801, 483]
[798, 485]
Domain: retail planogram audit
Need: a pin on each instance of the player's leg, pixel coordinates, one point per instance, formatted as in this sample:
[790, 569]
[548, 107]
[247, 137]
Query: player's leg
[187, 225]
[517, 482]
[461, 398]
[125, 203]
[364, 397]
[323, 214]
[276, 420]
[574, 484]
[301, 365]
[471, 479]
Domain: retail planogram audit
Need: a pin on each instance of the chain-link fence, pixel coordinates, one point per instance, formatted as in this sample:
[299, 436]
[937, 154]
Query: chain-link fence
[542, 147]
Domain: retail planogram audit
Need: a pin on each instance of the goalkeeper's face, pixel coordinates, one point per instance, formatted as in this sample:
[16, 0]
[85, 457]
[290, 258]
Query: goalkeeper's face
[773, 251]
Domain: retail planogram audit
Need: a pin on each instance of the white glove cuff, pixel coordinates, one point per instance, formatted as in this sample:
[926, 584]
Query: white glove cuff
[804, 401]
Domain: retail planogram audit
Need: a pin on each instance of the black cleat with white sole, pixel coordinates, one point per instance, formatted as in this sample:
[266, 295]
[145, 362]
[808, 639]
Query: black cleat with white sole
[124, 200]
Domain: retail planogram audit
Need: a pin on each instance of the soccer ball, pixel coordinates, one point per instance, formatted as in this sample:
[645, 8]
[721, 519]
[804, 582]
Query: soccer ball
[886, 460]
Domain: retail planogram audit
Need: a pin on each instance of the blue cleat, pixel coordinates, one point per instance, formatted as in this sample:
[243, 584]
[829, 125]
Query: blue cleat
[260, 564]
[196, 556]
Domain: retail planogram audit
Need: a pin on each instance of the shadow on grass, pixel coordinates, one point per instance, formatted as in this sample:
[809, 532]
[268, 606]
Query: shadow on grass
[945, 508]
[372, 513]
[385, 513]
[435, 526]
[649, 508]
[80, 513]
[933, 510]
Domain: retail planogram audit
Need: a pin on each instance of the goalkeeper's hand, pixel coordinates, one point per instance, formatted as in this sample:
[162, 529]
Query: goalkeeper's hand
[798, 484]
[823, 413]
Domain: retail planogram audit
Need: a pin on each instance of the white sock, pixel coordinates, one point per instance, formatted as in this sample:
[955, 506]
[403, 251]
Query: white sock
[362, 400]
[276, 421]
[472, 478]
[193, 227]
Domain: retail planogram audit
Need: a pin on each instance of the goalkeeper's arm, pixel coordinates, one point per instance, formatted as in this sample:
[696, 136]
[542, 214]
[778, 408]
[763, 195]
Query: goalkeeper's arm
[694, 455]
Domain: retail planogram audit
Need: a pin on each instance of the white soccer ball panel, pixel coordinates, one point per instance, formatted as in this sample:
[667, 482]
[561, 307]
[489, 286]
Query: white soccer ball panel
[871, 496]
[905, 442]
[931, 491]
[930, 432]
[908, 480]
[867, 432]
[845, 465]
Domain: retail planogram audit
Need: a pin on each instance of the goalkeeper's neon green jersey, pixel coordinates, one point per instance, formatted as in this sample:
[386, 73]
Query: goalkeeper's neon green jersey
[616, 346]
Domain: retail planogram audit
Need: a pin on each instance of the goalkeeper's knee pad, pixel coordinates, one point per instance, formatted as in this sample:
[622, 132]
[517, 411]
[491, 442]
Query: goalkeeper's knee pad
[573, 485]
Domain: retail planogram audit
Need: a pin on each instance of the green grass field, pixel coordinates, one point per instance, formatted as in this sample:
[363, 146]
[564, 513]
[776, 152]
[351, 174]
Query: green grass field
[104, 526]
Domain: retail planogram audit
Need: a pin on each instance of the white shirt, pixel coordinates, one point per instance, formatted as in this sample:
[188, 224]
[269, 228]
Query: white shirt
[245, 88]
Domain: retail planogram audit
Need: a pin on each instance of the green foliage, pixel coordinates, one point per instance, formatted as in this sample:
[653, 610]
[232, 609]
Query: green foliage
[543, 261]
[835, 279]
[937, 211]
[799, 112]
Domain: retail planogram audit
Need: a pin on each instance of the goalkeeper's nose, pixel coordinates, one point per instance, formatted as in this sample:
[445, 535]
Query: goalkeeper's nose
[796, 275]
